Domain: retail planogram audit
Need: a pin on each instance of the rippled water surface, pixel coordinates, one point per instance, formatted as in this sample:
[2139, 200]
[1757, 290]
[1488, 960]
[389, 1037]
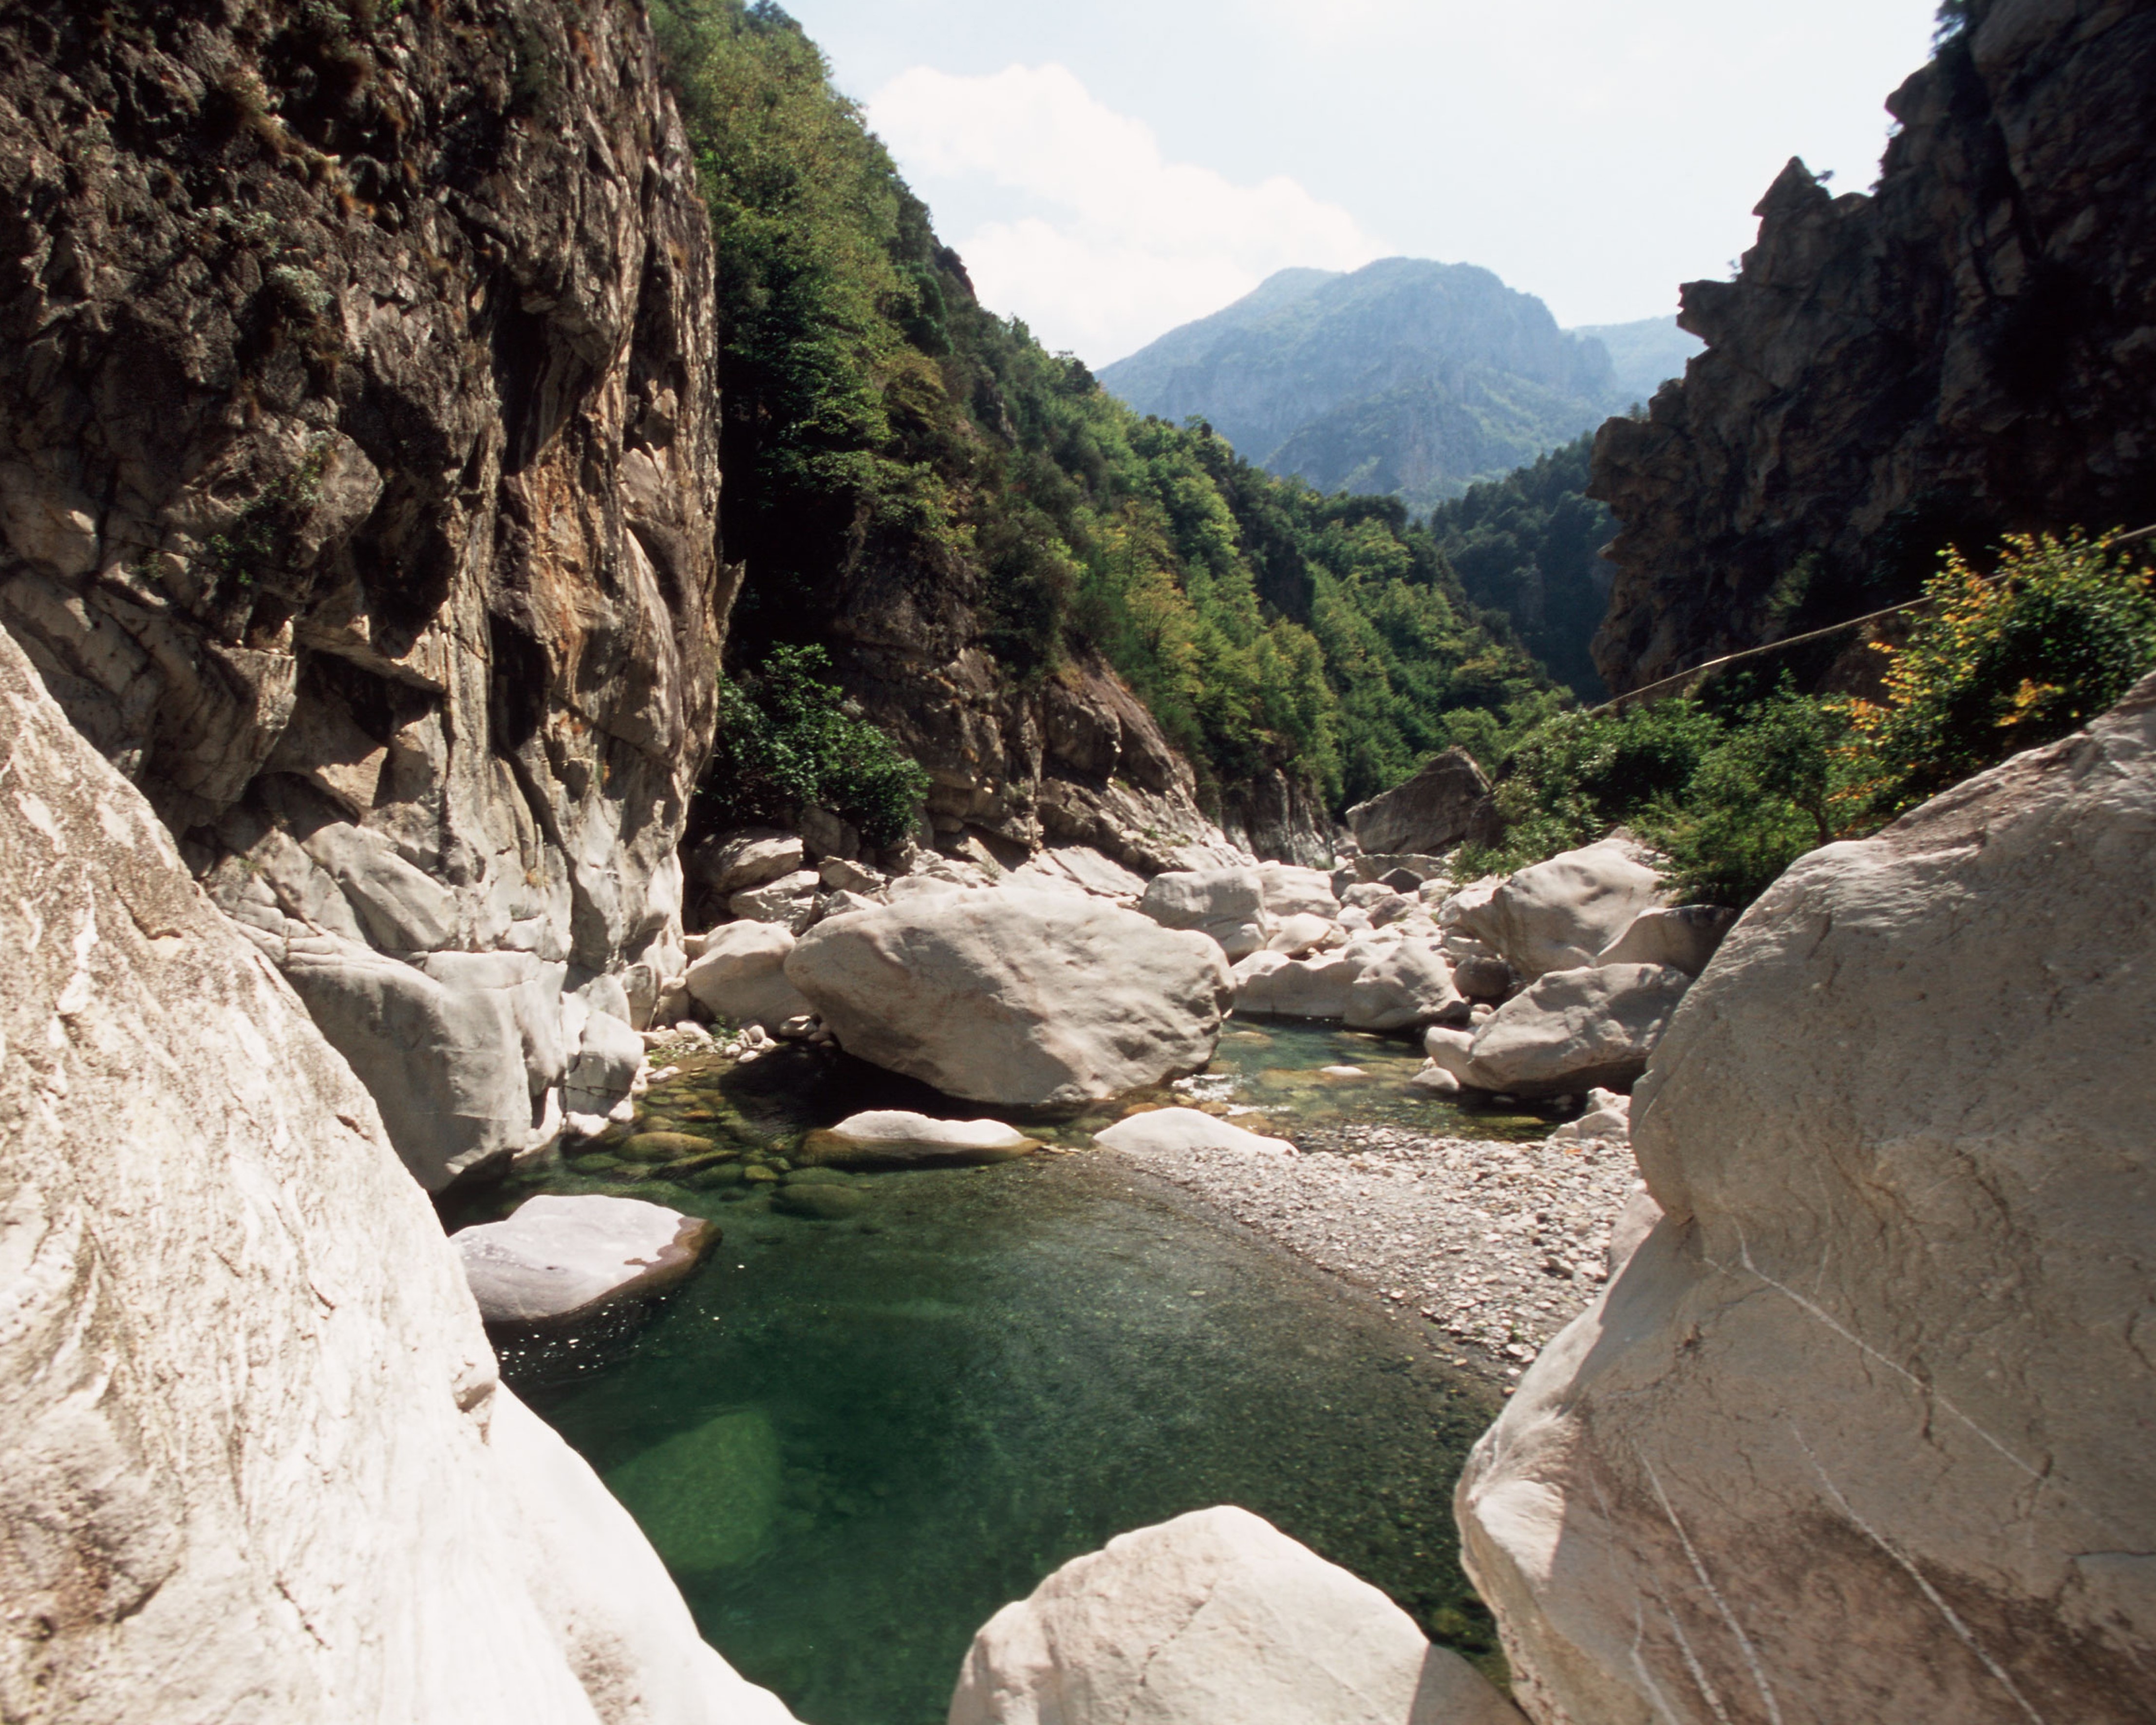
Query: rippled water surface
[853, 1439]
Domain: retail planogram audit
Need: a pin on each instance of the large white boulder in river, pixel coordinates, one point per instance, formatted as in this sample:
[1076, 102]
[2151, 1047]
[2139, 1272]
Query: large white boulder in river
[1862, 1430]
[1023, 999]
[1215, 1618]
[1408, 986]
[1559, 915]
[1573, 1030]
[258, 1467]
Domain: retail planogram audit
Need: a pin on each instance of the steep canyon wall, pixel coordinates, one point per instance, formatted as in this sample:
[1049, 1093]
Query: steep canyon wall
[358, 486]
[1968, 350]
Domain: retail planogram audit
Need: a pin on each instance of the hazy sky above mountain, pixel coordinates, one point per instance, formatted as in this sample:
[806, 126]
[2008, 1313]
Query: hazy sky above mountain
[1113, 168]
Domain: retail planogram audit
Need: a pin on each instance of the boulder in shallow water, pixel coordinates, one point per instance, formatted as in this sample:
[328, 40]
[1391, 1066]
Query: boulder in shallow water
[609, 1055]
[1019, 998]
[1560, 914]
[1185, 1128]
[1862, 1424]
[1215, 1618]
[560, 1257]
[1270, 984]
[894, 1137]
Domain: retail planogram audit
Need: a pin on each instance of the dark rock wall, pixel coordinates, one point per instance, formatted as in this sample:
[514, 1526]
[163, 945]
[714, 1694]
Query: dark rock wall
[1968, 350]
[358, 451]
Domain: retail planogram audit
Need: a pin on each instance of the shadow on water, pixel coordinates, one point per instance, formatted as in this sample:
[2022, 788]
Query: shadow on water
[854, 1439]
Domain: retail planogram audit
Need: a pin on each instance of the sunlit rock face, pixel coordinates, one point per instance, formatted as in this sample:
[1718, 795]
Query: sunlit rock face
[258, 1468]
[1969, 348]
[358, 488]
[1855, 1430]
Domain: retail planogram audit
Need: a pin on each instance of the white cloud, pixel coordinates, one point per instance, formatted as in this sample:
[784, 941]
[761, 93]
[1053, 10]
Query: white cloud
[1117, 244]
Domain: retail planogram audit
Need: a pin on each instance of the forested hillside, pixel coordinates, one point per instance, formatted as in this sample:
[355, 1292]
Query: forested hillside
[907, 470]
[1529, 545]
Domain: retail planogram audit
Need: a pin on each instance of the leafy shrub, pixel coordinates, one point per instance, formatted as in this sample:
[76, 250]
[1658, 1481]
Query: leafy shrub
[790, 740]
[2061, 630]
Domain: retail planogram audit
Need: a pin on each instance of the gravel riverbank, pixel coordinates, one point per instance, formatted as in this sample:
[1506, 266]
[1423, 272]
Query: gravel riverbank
[1491, 1247]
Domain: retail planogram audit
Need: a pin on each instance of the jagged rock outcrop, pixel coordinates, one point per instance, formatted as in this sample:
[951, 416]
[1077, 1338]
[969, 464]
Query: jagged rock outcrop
[1969, 349]
[1858, 1432]
[358, 484]
[258, 1466]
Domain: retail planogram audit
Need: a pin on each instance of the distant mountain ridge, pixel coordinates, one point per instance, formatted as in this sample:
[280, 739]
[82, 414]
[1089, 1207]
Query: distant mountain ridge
[1406, 377]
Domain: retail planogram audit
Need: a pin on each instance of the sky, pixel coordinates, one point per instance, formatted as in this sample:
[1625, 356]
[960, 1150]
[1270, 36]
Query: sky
[1112, 169]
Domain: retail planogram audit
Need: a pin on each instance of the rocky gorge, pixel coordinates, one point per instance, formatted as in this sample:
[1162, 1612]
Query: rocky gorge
[1099, 1162]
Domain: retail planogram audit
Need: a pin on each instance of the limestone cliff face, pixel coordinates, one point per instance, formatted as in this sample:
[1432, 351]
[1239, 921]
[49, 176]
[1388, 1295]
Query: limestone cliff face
[258, 1467]
[1970, 349]
[358, 475]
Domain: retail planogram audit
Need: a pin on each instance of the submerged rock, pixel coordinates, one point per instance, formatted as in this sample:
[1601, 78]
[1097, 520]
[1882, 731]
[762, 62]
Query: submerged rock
[1861, 1425]
[1215, 1618]
[1159, 1129]
[560, 1258]
[1020, 998]
[894, 1137]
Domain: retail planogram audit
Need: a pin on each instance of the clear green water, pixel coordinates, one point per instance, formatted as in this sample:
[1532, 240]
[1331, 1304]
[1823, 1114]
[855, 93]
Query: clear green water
[853, 1440]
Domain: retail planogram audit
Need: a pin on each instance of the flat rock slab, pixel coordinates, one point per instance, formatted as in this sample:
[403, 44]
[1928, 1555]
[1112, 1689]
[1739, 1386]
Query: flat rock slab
[559, 1258]
[891, 1137]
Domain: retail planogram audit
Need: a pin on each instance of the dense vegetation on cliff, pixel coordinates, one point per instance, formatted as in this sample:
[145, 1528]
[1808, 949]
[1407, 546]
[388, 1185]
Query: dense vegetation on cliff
[879, 418]
[1737, 778]
[1529, 545]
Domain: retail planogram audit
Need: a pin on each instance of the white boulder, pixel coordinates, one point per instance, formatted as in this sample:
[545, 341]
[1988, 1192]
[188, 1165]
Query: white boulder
[1559, 915]
[1408, 986]
[1303, 933]
[1172, 1129]
[1608, 1116]
[560, 1258]
[1270, 984]
[1215, 1618]
[740, 975]
[1571, 1030]
[1860, 1429]
[737, 862]
[1023, 999]
[1687, 937]
[609, 1055]
[893, 1137]
[789, 901]
[1290, 891]
[1227, 904]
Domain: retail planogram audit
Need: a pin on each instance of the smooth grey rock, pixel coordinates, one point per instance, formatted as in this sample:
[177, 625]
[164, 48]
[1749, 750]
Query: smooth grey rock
[1571, 1030]
[1892, 1330]
[741, 976]
[259, 1465]
[1404, 989]
[608, 1058]
[735, 862]
[1302, 934]
[1026, 999]
[825, 836]
[1380, 868]
[1431, 812]
[1608, 1116]
[1215, 1618]
[789, 901]
[1172, 1128]
[841, 875]
[531, 990]
[401, 908]
[1687, 937]
[557, 1259]
[1561, 915]
[1227, 904]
